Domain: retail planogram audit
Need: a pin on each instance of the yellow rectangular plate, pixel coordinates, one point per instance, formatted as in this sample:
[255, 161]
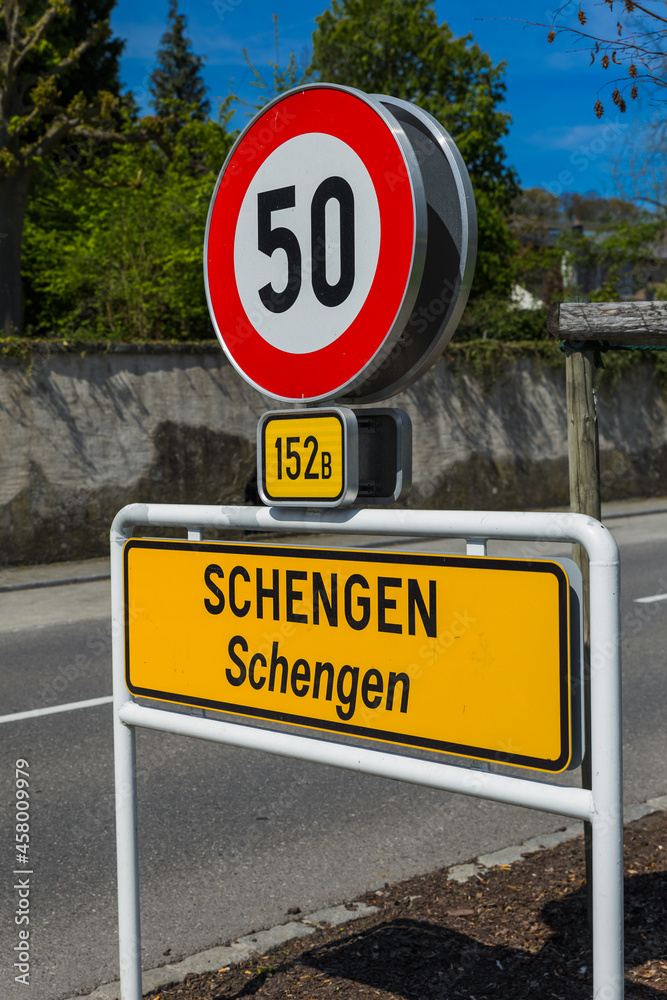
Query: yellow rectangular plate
[303, 457]
[467, 655]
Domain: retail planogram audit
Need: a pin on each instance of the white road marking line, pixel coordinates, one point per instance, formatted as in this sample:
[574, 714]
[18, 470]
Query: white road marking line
[649, 600]
[70, 707]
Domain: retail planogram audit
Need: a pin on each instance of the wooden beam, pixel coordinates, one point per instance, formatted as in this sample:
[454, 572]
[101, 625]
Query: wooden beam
[635, 324]
[583, 446]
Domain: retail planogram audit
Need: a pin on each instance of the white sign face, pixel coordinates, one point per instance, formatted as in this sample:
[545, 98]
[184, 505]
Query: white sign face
[307, 243]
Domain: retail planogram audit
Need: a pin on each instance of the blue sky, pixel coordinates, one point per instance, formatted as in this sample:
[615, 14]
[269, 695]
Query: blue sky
[555, 140]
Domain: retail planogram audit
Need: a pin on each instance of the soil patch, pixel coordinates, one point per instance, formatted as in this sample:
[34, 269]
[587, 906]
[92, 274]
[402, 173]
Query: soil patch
[511, 932]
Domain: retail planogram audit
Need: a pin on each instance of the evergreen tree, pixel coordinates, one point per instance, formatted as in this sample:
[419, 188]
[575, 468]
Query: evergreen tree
[98, 63]
[58, 81]
[176, 83]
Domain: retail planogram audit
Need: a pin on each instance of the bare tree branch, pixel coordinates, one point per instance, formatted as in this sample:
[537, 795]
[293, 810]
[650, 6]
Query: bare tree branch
[650, 13]
[644, 44]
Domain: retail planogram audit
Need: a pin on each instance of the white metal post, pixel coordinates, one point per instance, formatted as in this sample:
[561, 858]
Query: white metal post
[475, 546]
[602, 805]
[127, 848]
[607, 780]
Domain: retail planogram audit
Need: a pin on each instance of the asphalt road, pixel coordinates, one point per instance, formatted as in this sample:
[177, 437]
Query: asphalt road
[230, 839]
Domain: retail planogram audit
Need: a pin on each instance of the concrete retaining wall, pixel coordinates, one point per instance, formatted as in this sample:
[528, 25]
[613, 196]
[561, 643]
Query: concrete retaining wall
[82, 434]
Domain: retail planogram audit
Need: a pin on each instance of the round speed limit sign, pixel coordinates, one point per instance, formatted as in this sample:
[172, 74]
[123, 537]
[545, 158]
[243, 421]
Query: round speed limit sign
[316, 245]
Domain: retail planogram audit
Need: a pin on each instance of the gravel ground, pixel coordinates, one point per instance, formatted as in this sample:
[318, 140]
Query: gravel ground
[512, 933]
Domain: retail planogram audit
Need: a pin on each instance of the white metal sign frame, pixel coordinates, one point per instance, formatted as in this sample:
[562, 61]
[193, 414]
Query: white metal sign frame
[601, 805]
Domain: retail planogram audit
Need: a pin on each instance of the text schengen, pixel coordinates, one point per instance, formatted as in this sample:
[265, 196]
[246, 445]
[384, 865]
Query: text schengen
[382, 604]
[387, 604]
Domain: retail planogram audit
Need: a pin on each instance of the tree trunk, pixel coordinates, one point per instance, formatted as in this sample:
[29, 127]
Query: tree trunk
[13, 202]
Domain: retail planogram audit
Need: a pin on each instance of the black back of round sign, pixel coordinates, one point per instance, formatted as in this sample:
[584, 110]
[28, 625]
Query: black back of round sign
[450, 254]
[338, 253]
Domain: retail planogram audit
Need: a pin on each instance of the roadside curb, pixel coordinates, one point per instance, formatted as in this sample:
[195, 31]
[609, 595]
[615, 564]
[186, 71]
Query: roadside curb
[66, 581]
[216, 959]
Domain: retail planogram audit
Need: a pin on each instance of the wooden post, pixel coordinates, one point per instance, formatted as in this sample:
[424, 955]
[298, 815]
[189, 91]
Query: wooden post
[583, 325]
[582, 445]
[583, 449]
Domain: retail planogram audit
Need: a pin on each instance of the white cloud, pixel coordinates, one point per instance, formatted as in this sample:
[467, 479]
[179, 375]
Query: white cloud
[570, 137]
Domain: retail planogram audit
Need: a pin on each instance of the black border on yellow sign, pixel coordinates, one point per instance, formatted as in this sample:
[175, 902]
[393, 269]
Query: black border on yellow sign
[359, 555]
